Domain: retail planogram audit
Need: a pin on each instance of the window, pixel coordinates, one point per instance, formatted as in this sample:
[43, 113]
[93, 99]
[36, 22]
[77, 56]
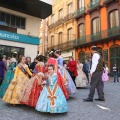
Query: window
[52, 40]
[12, 20]
[81, 30]
[70, 8]
[60, 13]
[81, 3]
[70, 34]
[114, 19]
[60, 38]
[53, 19]
[96, 25]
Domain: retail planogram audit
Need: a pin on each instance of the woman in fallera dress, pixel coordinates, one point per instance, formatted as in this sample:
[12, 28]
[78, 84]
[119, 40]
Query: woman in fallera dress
[81, 79]
[9, 75]
[34, 86]
[66, 76]
[53, 61]
[52, 99]
[14, 91]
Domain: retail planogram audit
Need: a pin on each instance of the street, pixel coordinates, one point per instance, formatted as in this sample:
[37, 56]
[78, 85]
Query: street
[78, 110]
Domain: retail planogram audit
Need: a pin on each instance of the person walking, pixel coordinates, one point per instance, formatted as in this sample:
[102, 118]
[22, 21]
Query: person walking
[86, 69]
[72, 68]
[2, 69]
[96, 72]
[115, 71]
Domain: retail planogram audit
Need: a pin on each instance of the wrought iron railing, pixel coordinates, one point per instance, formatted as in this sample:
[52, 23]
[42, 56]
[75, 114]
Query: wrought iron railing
[93, 4]
[105, 34]
[79, 12]
[69, 17]
[60, 21]
[51, 26]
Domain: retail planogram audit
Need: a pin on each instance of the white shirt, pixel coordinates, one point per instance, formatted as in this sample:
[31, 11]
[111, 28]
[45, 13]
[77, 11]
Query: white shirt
[95, 60]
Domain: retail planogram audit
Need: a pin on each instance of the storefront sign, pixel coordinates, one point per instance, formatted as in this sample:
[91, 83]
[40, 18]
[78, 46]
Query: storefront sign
[4, 35]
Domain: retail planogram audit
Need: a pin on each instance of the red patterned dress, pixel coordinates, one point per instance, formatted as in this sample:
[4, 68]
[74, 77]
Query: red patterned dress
[60, 80]
[34, 87]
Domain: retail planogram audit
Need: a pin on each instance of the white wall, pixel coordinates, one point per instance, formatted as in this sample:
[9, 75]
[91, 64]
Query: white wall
[30, 50]
[32, 23]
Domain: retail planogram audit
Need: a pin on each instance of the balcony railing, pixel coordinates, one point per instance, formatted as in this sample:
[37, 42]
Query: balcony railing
[63, 46]
[51, 26]
[60, 21]
[107, 1]
[69, 17]
[79, 12]
[103, 35]
[93, 4]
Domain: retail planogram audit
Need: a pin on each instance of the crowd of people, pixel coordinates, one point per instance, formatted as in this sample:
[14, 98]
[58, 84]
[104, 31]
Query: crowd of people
[46, 86]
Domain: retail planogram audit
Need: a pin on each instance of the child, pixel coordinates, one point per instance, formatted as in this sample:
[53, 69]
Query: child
[52, 99]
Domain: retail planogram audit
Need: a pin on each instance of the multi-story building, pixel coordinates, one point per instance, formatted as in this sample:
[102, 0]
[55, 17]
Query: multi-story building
[98, 23]
[61, 29]
[19, 24]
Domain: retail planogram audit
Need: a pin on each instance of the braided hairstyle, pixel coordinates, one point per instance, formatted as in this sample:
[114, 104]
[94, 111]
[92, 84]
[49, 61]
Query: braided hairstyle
[51, 53]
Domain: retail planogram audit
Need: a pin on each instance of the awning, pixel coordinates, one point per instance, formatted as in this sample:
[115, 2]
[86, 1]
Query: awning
[37, 8]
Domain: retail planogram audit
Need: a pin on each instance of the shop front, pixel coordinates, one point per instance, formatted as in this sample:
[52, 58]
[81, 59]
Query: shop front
[23, 44]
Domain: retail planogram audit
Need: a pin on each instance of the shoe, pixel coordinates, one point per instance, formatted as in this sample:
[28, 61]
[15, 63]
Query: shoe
[88, 100]
[100, 99]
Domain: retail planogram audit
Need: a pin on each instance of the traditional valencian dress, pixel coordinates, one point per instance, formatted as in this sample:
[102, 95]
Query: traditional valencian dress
[17, 85]
[81, 79]
[66, 76]
[8, 77]
[52, 99]
[34, 87]
[60, 80]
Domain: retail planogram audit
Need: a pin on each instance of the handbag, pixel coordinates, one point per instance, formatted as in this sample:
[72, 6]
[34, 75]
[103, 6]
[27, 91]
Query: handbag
[105, 76]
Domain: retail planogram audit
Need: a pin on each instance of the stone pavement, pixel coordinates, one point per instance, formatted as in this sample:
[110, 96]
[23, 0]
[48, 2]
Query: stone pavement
[78, 110]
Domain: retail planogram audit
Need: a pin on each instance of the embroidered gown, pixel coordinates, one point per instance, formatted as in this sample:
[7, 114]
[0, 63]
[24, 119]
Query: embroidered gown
[60, 80]
[8, 77]
[52, 99]
[34, 87]
[67, 78]
[81, 79]
[14, 91]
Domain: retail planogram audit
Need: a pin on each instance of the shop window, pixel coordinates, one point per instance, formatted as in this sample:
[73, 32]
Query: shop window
[114, 18]
[81, 29]
[96, 25]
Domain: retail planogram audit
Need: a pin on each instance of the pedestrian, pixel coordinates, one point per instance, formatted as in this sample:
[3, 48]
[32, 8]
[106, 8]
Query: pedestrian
[34, 86]
[52, 99]
[2, 70]
[52, 61]
[9, 74]
[28, 61]
[86, 68]
[81, 79]
[96, 73]
[116, 72]
[4, 60]
[72, 68]
[65, 74]
[8, 61]
[33, 64]
[14, 91]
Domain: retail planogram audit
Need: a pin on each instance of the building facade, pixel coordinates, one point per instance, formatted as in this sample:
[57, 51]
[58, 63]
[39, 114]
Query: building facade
[61, 27]
[98, 23]
[19, 27]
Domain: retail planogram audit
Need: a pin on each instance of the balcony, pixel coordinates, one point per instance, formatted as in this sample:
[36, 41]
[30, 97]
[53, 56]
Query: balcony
[63, 46]
[51, 26]
[93, 5]
[108, 1]
[109, 34]
[79, 12]
[69, 17]
[59, 22]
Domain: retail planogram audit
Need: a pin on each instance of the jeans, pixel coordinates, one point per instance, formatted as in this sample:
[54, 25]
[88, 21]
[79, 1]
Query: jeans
[116, 79]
